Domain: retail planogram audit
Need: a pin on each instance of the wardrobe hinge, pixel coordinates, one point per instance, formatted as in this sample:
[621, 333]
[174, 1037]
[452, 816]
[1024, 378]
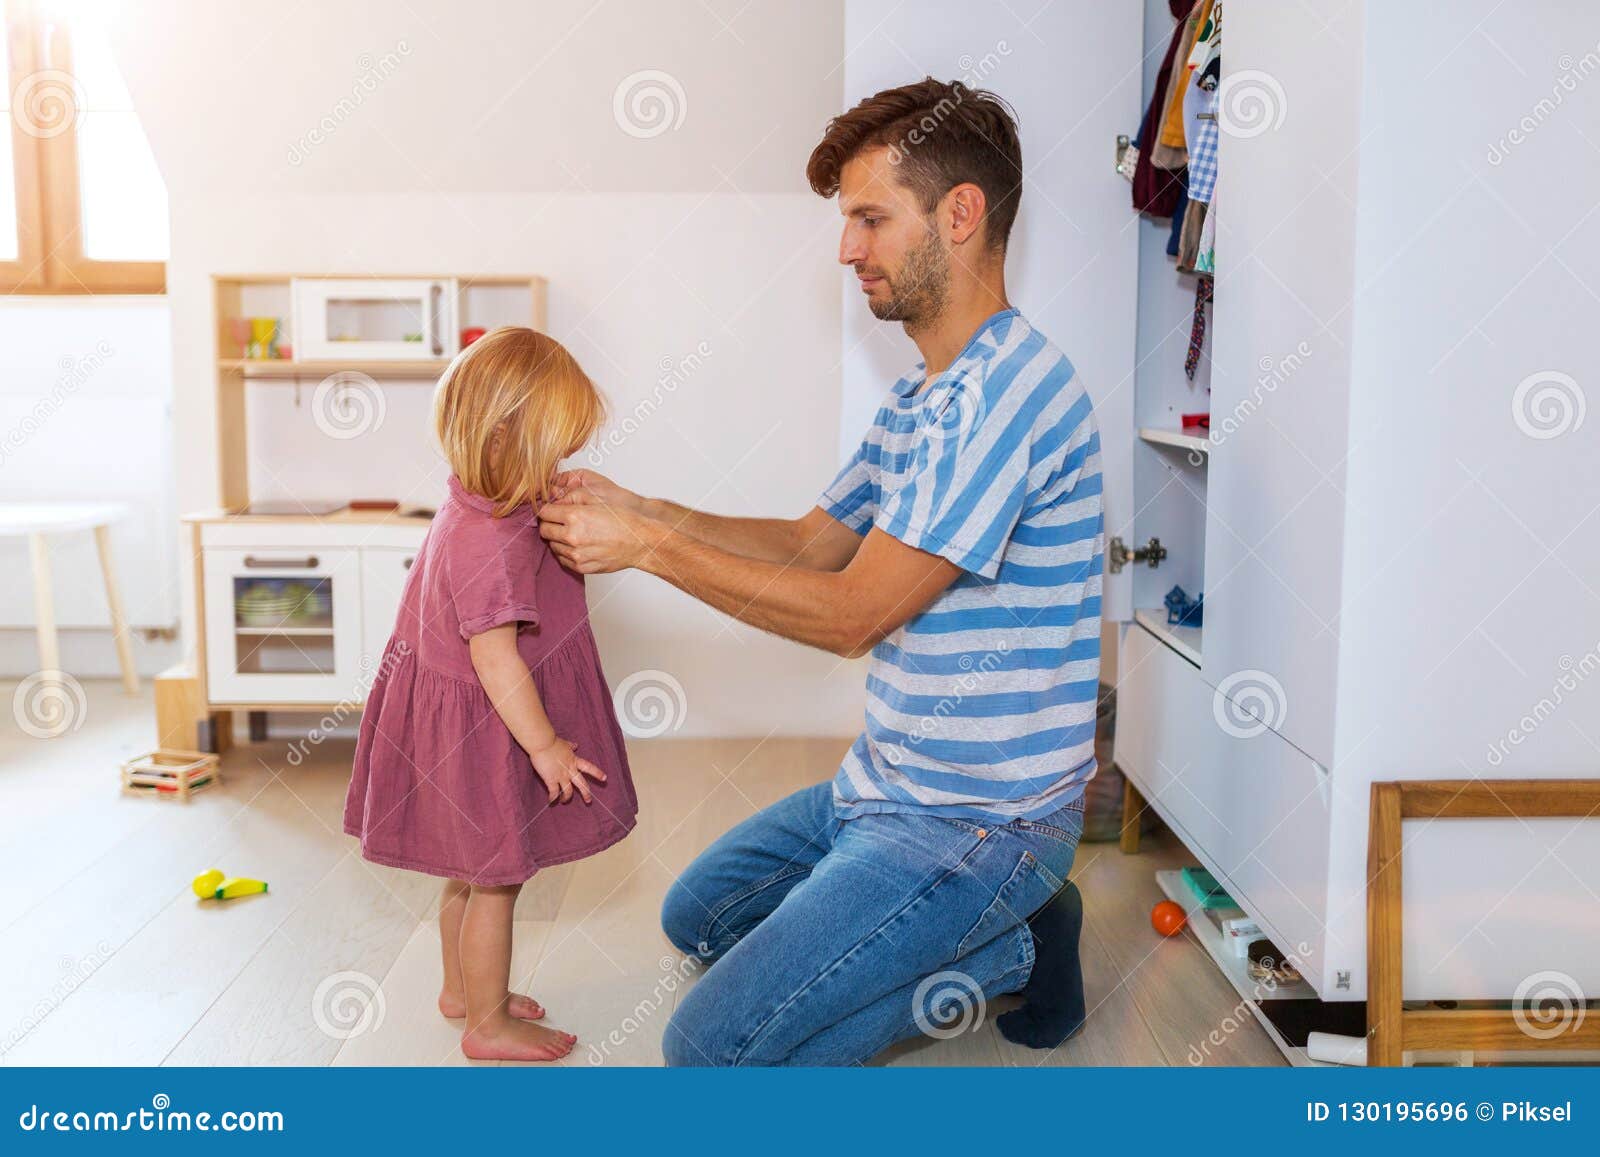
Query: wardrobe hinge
[1118, 555]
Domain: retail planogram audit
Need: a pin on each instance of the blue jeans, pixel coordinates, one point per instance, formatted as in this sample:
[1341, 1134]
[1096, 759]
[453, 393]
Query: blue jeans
[832, 939]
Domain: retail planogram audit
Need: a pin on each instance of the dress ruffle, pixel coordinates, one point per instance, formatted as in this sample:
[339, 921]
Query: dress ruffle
[441, 786]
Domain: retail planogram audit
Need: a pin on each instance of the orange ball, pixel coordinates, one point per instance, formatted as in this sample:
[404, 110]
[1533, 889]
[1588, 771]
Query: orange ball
[1167, 918]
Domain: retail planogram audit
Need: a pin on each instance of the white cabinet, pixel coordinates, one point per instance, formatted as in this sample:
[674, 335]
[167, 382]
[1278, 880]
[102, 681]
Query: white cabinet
[283, 624]
[299, 611]
[384, 571]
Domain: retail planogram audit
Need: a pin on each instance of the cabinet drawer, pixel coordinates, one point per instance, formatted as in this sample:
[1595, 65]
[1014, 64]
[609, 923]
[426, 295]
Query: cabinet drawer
[1249, 804]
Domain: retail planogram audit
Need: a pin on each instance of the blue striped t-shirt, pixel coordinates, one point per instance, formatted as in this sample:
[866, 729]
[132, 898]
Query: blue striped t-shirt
[983, 704]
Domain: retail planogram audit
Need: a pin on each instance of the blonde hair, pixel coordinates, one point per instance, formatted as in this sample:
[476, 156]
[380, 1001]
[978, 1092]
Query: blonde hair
[509, 408]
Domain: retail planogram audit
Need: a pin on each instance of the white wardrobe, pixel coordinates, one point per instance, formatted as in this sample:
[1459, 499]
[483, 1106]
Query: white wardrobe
[1396, 522]
[1397, 525]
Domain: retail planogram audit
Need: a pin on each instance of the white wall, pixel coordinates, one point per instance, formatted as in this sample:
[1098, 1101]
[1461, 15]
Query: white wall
[488, 144]
[85, 413]
[1071, 262]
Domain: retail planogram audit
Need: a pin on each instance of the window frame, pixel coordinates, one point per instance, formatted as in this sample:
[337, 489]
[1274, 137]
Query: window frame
[50, 256]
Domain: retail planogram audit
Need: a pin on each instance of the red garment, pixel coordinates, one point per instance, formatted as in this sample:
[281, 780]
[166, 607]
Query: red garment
[439, 784]
[1157, 191]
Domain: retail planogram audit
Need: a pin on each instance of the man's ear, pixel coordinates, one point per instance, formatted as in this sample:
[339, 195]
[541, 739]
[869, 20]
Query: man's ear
[967, 206]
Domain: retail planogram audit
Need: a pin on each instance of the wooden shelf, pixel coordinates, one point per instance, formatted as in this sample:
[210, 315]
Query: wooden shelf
[285, 369]
[326, 632]
[1184, 640]
[1191, 438]
[404, 517]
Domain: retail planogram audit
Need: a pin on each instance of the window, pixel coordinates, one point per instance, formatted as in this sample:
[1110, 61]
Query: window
[83, 208]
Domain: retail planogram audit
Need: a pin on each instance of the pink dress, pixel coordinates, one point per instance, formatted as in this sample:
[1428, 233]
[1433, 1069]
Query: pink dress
[439, 784]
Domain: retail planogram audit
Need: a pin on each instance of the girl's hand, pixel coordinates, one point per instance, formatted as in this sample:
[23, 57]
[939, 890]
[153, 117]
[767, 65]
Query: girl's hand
[560, 769]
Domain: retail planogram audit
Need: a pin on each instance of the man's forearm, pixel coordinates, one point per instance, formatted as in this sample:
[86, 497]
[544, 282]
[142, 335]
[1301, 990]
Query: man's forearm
[808, 606]
[768, 539]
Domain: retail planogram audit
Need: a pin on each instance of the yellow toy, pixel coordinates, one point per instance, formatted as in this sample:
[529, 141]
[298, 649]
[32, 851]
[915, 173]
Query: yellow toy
[213, 885]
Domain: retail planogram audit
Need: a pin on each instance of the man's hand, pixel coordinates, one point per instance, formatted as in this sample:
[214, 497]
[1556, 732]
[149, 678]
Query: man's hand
[589, 535]
[598, 485]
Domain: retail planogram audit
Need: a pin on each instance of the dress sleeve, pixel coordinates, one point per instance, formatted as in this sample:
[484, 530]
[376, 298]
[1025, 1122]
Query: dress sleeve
[493, 572]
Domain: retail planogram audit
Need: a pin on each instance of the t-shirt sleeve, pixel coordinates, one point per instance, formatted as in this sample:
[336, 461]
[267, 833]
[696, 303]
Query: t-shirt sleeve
[967, 488]
[852, 497]
[493, 573]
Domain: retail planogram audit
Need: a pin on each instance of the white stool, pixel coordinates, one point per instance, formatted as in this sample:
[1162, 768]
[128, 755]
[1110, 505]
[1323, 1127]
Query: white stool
[37, 519]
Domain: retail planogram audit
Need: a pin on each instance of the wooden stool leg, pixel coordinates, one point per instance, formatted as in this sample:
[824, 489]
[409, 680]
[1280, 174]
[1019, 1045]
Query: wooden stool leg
[1385, 991]
[44, 604]
[119, 621]
[1132, 813]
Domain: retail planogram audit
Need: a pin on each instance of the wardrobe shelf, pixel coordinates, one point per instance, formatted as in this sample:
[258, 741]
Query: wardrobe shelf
[1184, 439]
[1184, 640]
[1250, 990]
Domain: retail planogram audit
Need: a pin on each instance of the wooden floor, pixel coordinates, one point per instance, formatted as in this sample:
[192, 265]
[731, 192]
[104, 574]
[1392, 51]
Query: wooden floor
[108, 958]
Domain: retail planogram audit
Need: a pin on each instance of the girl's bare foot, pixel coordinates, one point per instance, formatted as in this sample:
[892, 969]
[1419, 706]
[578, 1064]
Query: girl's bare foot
[509, 1039]
[454, 1006]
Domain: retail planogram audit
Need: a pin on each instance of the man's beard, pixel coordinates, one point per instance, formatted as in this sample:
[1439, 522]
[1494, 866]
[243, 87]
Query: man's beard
[919, 291]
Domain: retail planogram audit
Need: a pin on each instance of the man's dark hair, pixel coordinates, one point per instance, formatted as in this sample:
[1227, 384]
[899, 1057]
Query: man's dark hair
[940, 134]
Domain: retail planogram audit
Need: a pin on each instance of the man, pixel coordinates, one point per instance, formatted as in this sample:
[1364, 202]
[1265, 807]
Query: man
[962, 547]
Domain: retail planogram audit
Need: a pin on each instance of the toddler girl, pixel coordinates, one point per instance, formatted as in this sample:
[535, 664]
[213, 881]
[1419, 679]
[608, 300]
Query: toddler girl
[488, 747]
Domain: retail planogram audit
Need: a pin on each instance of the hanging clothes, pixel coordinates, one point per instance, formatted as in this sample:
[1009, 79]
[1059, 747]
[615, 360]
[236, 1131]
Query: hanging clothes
[1171, 149]
[1205, 260]
[1187, 250]
[1180, 214]
[1197, 330]
[1209, 43]
[1156, 191]
[1203, 154]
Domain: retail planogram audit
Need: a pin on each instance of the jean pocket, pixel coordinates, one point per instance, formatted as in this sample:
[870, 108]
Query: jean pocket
[1026, 890]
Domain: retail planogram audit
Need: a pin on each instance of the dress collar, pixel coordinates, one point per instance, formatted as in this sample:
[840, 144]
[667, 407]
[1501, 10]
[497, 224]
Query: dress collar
[467, 498]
